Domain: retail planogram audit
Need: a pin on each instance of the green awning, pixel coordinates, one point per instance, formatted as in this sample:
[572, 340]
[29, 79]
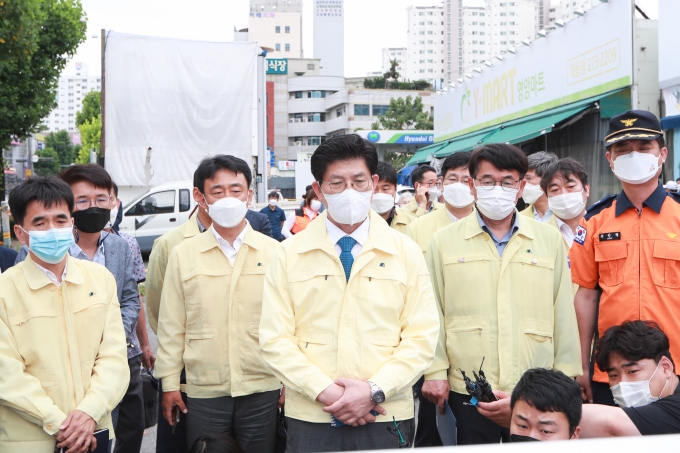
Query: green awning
[527, 130]
[464, 143]
[424, 154]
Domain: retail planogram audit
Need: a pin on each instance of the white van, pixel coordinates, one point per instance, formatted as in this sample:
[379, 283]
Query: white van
[158, 211]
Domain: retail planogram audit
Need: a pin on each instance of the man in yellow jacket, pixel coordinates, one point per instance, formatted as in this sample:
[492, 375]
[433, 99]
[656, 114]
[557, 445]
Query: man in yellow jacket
[63, 352]
[383, 199]
[210, 315]
[458, 201]
[428, 192]
[348, 318]
[503, 286]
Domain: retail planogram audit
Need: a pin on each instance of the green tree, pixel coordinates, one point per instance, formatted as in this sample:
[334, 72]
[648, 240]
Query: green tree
[61, 143]
[405, 114]
[43, 167]
[37, 37]
[397, 160]
[90, 136]
[91, 108]
[392, 73]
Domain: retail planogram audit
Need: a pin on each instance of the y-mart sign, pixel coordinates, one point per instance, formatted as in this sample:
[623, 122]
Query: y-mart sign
[587, 57]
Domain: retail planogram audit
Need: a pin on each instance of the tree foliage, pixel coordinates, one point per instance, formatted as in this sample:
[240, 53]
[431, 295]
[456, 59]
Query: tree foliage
[379, 83]
[405, 114]
[397, 160]
[60, 142]
[90, 136]
[392, 73]
[91, 108]
[43, 167]
[36, 39]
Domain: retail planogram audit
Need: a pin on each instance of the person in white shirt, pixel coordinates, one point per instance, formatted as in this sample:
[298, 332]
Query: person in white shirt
[566, 185]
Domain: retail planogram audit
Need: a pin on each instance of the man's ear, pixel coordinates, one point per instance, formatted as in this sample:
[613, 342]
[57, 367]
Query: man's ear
[21, 236]
[586, 190]
[608, 155]
[667, 366]
[250, 197]
[577, 433]
[319, 194]
[200, 199]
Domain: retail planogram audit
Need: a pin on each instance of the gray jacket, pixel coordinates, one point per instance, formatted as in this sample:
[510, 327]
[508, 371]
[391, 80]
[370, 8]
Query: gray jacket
[119, 261]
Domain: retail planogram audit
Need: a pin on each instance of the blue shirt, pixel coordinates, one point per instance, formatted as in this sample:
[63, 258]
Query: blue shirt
[276, 216]
[503, 242]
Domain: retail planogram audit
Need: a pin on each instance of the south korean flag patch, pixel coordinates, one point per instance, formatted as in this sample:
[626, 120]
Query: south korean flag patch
[580, 236]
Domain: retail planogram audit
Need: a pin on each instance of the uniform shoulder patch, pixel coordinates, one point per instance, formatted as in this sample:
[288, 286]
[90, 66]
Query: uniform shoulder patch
[600, 206]
[580, 235]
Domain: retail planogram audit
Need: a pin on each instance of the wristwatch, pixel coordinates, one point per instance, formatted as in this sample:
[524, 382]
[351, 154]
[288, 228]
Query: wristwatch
[377, 395]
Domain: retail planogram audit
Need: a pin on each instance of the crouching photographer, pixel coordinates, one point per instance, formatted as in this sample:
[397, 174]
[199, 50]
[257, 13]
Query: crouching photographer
[636, 357]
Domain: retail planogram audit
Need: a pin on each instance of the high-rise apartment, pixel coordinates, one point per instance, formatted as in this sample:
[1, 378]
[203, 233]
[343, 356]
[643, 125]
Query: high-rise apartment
[70, 93]
[426, 44]
[564, 10]
[276, 25]
[329, 36]
[395, 53]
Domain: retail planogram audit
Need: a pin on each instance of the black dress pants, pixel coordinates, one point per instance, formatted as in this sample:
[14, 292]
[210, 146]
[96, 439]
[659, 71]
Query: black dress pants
[130, 425]
[473, 427]
[166, 440]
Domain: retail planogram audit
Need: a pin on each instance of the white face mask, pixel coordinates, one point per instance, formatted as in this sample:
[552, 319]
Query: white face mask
[273, 202]
[315, 205]
[636, 394]
[635, 167]
[227, 212]
[458, 195]
[114, 214]
[567, 205]
[434, 194]
[349, 206]
[382, 202]
[496, 203]
[531, 193]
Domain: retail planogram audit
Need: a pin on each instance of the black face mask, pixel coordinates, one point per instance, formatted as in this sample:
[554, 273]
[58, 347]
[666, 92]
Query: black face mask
[92, 220]
[518, 438]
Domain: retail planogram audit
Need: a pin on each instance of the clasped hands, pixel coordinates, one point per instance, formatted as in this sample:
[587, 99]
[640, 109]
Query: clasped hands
[349, 400]
[76, 433]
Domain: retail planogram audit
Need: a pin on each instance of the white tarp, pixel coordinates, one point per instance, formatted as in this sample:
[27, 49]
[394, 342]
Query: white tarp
[170, 103]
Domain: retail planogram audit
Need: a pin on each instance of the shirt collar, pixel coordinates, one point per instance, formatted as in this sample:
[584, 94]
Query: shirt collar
[538, 217]
[360, 234]
[451, 216]
[237, 242]
[654, 201]
[38, 278]
[77, 252]
[391, 216]
[508, 235]
[566, 231]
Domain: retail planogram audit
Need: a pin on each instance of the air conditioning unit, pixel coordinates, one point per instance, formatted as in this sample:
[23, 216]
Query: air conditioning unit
[304, 120]
[297, 120]
[297, 143]
[292, 120]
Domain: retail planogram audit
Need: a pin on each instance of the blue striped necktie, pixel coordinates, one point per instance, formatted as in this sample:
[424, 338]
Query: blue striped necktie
[346, 243]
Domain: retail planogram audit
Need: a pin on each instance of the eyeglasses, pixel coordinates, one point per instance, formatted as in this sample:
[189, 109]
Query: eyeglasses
[432, 184]
[100, 202]
[455, 180]
[339, 185]
[506, 184]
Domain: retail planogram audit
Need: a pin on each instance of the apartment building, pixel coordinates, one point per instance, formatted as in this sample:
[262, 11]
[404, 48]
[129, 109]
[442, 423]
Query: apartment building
[564, 10]
[70, 94]
[395, 53]
[426, 44]
[276, 25]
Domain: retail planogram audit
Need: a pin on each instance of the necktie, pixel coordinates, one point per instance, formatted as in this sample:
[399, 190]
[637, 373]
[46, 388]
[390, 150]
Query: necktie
[346, 243]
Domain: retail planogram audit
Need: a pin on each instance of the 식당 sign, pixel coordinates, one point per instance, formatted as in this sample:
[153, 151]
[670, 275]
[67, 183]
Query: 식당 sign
[585, 58]
[277, 66]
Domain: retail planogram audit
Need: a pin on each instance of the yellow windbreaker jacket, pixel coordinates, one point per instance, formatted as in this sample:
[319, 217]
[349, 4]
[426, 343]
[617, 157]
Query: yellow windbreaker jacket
[422, 228]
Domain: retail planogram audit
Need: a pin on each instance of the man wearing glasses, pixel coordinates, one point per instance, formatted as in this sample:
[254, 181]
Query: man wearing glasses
[348, 320]
[428, 191]
[503, 285]
[92, 186]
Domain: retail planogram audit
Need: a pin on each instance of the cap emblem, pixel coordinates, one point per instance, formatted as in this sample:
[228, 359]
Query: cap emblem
[629, 123]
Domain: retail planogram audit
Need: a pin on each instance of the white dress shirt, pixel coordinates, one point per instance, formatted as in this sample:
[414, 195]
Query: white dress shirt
[543, 219]
[566, 231]
[231, 251]
[51, 275]
[451, 216]
[360, 235]
[76, 252]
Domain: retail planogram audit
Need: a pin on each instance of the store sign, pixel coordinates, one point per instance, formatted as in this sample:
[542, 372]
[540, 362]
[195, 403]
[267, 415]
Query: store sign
[277, 66]
[286, 165]
[398, 137]
[581, 60]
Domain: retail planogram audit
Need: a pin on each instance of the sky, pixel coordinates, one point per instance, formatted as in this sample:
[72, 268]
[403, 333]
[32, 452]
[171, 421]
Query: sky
[370, 25]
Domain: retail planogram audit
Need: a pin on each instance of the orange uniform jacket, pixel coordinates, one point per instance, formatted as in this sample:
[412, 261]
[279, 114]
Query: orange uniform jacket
[634, 257]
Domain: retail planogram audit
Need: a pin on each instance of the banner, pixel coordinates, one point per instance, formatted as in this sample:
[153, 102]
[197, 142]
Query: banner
[170, 103]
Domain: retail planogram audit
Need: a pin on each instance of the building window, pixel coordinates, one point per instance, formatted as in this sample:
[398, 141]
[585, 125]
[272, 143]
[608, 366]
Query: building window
[474, 23]
[421, 51]
[339, 112]
[430, 51]
[504, 33]
[361, 110]
[421, 42]
[277, 47]
[429, 32]
[421, 61]
[287, 47]
[421, 33]
[429, 41]
[287, 29]
[429, 22]
[316, 94]
[429, 61]
[429, 13]
[380, 109]
[430, 70]
[421, 23]
[298, 95]
[316, 117]
[311, 141]
[278, 29]
[512, 23]
[421, 14]
[474, 14]
[310, 66]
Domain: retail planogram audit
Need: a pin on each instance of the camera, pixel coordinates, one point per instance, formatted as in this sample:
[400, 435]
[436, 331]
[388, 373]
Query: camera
[479, 389]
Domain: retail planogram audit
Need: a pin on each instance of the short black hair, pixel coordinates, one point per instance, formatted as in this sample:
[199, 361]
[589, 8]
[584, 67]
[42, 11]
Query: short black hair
[386, 172]
[563, 168]
[46, 190]
[500, 155]
[456, 160]
[115, 189]
[633, 340]
[309, 196]
[550, 391]
[343, 147]
[211, 165]
[215, 443]
[92, 173]
[308, 188]
[273, 194]
[540, 161]
[418, 173]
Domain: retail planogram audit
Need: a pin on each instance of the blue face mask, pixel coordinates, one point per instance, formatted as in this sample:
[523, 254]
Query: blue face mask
[51, 246]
